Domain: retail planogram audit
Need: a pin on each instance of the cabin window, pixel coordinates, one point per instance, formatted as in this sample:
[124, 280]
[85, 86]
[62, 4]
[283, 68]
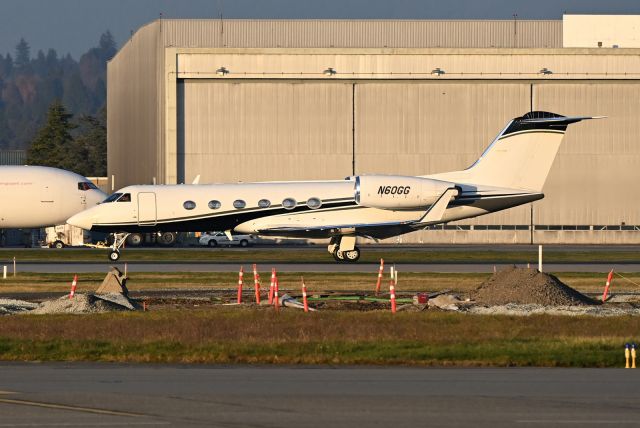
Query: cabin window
[239, 203]
[125, 198]
[314, 203]
[214, 205]
[264, 203]
[86, 185]
[112, 198]
[189, 205]
[289, 203]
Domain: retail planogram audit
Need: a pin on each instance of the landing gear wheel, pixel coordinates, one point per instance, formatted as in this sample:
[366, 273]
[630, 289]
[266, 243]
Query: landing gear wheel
[135, 239]
[338, 255]
[114, 256]
[167, 239]
[352, 256]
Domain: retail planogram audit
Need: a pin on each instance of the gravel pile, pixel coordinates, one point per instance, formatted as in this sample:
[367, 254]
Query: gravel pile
[527, 310]
[12, 306]
[527, 286]
[84, 304]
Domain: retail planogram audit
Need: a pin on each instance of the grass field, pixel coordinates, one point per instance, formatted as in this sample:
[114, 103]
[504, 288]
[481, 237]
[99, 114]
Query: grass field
[460, 282]
[234, 335]
[319, 255]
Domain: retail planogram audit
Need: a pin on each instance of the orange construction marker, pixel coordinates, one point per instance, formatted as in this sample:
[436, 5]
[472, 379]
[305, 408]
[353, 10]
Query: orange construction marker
[74, 284]
[276, 300]
[380, 272]
[392, 295]
[256, 284]
[272, 285]
[304, 296]
[240, 275]
[606, 287]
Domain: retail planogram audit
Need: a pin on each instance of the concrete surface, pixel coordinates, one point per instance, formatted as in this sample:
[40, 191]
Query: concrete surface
[97, 394]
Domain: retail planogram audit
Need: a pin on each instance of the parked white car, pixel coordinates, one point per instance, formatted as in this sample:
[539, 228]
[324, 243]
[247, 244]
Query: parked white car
[214, 239]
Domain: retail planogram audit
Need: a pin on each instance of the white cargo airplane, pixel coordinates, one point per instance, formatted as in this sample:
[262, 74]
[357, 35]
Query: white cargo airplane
[39, 196]
[510, 172]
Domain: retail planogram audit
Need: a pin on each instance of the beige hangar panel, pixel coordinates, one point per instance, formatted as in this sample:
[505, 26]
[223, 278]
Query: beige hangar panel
[267, 130]
[594, 180]
[418, 128]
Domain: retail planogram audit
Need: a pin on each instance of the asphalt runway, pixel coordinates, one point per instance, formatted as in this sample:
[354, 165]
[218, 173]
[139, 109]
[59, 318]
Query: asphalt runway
[97, 394]
[315, 267]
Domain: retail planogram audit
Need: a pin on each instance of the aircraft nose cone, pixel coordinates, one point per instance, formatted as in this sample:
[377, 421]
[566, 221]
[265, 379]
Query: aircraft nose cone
[81, 220]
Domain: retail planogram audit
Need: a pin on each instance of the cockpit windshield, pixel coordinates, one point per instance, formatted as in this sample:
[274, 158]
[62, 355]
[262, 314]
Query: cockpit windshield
[112, 198]
[86, 185]
[125, 198]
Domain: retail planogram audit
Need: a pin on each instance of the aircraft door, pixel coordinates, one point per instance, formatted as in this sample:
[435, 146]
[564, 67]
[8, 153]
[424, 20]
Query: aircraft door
[147, 214]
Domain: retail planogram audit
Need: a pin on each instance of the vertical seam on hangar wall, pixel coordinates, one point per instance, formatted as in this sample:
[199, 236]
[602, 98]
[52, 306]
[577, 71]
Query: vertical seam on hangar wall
[353, 128]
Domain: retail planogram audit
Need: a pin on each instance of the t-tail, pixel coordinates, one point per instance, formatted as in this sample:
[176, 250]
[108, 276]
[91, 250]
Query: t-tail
[521, 156]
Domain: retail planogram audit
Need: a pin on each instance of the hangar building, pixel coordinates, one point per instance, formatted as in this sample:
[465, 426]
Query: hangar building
[249, 100]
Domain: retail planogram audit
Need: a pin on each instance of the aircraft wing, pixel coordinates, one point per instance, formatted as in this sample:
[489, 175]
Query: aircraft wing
[370, 230]
[433, 215]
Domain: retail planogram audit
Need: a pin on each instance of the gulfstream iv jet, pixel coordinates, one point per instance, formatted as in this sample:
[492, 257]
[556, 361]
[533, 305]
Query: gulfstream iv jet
[510, 172]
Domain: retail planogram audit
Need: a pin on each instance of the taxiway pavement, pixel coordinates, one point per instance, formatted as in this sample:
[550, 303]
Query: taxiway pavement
[98, 394]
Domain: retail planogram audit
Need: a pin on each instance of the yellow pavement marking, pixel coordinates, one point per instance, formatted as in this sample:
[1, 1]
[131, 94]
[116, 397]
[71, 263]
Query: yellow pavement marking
[65, 407]
[6, 392]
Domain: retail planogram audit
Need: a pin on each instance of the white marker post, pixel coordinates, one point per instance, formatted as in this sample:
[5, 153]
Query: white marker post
[4, 272]
[540, 258]
[14, 266]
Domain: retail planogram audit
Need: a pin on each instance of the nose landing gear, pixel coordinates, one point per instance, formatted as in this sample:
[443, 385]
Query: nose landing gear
[118, 242]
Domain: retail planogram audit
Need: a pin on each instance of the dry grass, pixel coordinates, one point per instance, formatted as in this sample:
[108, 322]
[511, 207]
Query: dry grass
[231, 335]
[315, 281]
[459, 282]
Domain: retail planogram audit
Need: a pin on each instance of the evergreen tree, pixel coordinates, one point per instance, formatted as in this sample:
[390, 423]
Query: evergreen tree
[107, 45]
[23, 54]
[91, 144]
[30, 85]
[53, 145]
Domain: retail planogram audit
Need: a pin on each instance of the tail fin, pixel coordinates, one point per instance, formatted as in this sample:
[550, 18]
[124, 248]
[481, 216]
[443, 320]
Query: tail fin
[521, 156]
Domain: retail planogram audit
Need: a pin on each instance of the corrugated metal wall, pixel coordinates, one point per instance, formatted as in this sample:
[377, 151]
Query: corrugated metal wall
[134, 94]
[314, 33]
[596, 174]
[13, 157]
[418, 128]
[249, 131]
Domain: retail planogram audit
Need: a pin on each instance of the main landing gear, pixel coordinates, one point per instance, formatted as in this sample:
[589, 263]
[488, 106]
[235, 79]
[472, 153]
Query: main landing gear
[118, 242]
[343, 249]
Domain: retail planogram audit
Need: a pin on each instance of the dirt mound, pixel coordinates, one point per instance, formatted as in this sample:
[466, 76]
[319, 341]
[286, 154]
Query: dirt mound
[527, 286]
[83, 304]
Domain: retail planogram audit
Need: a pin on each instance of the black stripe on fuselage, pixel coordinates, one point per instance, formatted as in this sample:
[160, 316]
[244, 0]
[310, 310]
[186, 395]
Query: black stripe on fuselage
[229, 220]
[218, 221]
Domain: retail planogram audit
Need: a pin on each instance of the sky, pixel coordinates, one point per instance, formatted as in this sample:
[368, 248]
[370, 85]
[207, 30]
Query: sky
[74, 26]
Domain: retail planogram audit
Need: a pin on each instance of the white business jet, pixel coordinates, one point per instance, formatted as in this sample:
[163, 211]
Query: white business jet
[510, 172]
[39, 196]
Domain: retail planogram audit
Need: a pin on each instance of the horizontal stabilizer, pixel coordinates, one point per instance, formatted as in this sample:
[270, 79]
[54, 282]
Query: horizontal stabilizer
[436, 211]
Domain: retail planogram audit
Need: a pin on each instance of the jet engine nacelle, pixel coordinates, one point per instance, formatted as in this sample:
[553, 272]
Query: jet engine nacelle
[397, 192]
